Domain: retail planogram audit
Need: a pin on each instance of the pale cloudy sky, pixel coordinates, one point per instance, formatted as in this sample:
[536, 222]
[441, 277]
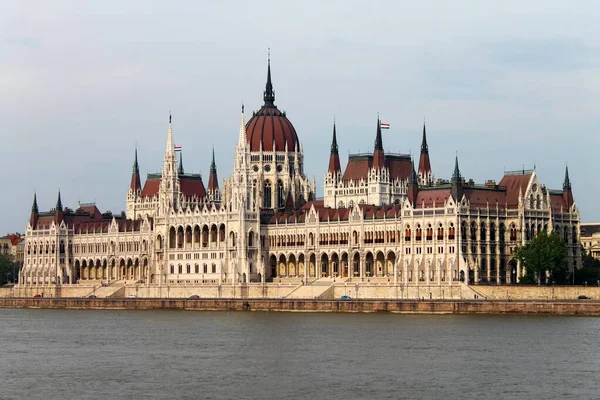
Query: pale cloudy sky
[504, 84]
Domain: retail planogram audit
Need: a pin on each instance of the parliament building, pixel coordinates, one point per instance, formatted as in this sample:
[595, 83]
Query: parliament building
[381, 219]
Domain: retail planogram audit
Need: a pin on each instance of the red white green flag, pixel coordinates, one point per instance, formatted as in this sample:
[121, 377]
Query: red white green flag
[383, 125]
[177, 148]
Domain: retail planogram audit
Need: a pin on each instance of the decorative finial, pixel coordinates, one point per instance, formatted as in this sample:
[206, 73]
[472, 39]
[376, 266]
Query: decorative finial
[169, 116]
[242, 107]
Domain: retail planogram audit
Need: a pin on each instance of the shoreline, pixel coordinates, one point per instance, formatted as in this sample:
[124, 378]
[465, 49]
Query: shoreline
[462, 307]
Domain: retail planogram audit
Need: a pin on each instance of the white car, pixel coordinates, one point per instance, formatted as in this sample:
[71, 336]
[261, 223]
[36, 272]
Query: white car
[132, 296]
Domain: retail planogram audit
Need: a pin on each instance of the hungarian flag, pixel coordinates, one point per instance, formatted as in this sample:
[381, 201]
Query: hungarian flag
[177, 148]
[384, 126]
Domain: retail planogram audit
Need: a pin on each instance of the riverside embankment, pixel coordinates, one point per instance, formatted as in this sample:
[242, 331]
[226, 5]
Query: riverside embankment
[531, 307]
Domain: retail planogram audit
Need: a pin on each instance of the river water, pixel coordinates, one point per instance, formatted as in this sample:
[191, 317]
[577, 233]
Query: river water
[71, 354]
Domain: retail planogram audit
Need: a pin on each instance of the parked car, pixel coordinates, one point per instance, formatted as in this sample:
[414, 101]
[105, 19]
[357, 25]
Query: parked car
[37, 295]
[194, 297]
[345, 298]
[583, 297]
[132, 296]
[93, 296]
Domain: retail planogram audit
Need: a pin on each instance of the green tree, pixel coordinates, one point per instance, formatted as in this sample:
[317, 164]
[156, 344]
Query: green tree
[8, 267]
[543, 253]
[590, 269]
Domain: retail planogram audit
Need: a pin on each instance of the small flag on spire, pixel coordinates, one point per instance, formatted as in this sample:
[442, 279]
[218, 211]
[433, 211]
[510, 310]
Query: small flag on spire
[384, 125]
[177, 148]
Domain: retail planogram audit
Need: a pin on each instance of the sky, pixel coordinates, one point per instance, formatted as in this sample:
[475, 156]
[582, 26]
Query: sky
[505, 85]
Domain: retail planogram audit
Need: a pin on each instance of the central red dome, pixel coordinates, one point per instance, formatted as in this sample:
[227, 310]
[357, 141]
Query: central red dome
[269, 127]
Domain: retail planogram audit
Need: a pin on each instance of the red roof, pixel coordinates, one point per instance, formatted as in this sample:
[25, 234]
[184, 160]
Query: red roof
[481, 197]
[151, 187]
[270, 125]
[359, 165]
[430, 196]
[513, 184]
[557, 202]
[192, 186]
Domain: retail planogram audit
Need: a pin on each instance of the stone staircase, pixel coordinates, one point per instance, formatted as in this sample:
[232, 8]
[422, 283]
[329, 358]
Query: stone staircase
[108, 291]
[318, 289]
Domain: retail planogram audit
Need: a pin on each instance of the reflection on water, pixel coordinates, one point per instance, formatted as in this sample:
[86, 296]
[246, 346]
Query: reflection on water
[56, 354]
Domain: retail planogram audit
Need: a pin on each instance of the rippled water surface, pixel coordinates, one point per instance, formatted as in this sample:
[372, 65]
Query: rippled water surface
[69, 354]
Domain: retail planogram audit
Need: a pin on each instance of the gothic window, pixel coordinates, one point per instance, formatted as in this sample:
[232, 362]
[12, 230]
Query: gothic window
[407, 234]
[280, 198]
[267, 195]
[440, 232]
[482, 232]
[492, 232]
[418, 233]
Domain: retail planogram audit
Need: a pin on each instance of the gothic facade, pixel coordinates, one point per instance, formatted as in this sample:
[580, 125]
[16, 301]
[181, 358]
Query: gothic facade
[379, 220]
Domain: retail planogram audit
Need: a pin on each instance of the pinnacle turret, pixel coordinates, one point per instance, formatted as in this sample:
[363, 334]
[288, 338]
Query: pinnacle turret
[567, 181]
[425, 174]
[334, 157]
[378, 156]
[59, 206]
[34, 207]
[269, 94]
[180, 166]
[135, 175]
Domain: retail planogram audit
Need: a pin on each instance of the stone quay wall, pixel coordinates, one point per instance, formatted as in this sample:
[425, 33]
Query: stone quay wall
[582, 308]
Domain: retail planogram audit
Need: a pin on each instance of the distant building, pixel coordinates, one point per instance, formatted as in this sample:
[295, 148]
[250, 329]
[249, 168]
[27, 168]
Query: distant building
[14, 244]
[590, 238]
[379, 220]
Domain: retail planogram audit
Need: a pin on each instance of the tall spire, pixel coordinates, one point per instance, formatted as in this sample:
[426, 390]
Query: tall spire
[567, 193]
[334, 157]
[269, 94]
[34, 212]
[457, 189]
[34, 207]
[180, 167]
[378, 157]
[136, 167]
[170, 144]
[58, 211]
[242, 140]
[424, 163]
[378, 141]
[59, 206]
[213, 165]
[456, 174]
[334, 145]
[135, 175]
[424, 148]
[567, 181]
[213, 180]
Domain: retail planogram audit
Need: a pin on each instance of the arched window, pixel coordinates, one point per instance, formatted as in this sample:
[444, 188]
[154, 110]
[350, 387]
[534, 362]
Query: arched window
[267, 195]
[280, 198]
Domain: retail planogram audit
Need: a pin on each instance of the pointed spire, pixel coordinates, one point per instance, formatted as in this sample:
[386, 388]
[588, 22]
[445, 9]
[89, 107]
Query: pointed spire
[135, 176]
[34, 212]
[242, 140]
[334, 145]
[269, 94]
[457, 190]
[180, 167]
[424, 163]
[59, 206]
[136, 167]
[170, 143]
[34, 207]
[567, 181]
[334, 157]
[378, 157]
[378, 140]
[213, 165]
[456, 174]
[213, 180]
[424, 147]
